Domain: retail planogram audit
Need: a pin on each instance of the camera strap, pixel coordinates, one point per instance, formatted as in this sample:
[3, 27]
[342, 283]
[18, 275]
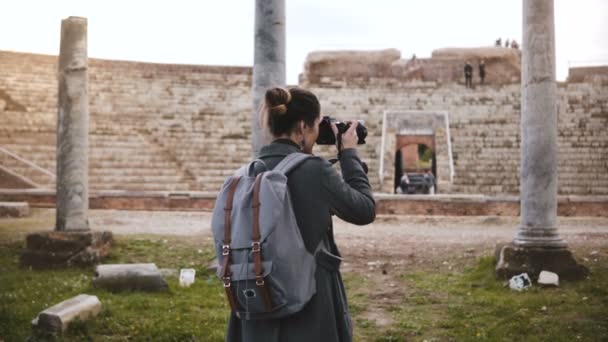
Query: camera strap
[339, 144]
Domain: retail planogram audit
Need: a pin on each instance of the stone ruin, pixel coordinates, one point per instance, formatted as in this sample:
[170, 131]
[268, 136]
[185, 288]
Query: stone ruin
[444, 65]
[151, 124]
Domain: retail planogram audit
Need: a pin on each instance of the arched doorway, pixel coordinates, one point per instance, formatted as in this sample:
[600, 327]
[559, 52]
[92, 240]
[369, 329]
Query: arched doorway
[414, 157]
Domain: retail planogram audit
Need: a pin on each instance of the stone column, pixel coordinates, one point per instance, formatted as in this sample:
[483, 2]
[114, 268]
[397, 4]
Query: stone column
[268, 61]
[73, 128]
[538, 245]
[72, 243]
[538, 175]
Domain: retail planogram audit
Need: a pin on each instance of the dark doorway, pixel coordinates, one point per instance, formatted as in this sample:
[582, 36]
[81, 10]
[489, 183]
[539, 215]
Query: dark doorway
[415, 155]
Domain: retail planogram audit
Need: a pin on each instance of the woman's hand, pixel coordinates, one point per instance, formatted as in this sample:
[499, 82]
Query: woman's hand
[349, 138]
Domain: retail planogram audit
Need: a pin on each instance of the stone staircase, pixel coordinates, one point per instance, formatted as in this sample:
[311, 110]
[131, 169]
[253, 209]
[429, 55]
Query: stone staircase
[117, 161]
[30, 155]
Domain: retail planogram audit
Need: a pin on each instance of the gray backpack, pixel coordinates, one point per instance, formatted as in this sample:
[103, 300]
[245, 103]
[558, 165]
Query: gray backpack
[263, 263]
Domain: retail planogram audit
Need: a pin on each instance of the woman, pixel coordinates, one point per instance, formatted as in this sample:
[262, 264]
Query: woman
[317, 192]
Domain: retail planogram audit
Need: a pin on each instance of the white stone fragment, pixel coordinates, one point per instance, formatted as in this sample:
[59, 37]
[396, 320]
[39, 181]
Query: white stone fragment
[186, 277]
[520, 282]
[547, 278]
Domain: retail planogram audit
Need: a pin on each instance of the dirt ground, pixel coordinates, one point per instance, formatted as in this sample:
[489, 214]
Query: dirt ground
[389, 241]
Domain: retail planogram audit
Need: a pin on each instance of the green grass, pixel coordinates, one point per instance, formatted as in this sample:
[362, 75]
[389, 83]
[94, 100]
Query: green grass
[197, 313]
[473, 306]
[462, 304]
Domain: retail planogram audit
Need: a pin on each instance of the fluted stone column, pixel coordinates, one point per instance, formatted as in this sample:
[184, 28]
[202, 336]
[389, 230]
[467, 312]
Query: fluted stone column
[538, 246]
[73, 128]
[268, 61]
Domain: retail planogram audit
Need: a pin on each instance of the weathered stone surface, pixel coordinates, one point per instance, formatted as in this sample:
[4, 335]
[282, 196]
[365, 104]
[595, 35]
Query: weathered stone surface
[546, 278]
[130, 277]
[268, 61]
[445, 65]
[73, 127]
[142, 106]
[455, 204]
[538, 176]
[588, 74]
[14, 180]
[14, 209]
[59, 249]
[336, 64]
[57, 318]
[513, 260]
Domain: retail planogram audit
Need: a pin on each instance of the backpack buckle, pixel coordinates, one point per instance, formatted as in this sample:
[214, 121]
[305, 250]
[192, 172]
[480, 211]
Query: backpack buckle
[256, 246]
[259, 280]
[226, 281]
[225, 249]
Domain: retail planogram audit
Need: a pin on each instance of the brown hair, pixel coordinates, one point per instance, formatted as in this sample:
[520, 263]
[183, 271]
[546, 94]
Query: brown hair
[284, 108]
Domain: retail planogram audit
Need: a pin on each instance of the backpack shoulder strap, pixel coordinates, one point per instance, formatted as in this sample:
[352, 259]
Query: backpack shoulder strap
[291, 161]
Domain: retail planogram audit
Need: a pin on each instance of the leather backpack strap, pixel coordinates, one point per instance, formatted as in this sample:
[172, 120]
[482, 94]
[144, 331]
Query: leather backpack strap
[256, 245]
[226, 274]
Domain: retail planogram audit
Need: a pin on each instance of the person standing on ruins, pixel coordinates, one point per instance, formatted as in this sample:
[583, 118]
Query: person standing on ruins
[482, 71]
[468, 75]
[317, 192]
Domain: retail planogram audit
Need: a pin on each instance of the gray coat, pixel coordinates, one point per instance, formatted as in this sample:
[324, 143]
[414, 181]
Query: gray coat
[317, 191]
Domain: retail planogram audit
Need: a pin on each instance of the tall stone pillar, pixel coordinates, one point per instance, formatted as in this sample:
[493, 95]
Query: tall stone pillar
[73, 128]
[268, 61]
[71, 242]
[538, 245]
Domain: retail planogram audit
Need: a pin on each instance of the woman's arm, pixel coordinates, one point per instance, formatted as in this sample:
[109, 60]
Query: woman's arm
[350, 196]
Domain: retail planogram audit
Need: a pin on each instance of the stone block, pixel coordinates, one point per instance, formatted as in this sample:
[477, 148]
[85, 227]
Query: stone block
[14, 209]
[57, 318]
[60, 249]
[129, 277]
[513, 260]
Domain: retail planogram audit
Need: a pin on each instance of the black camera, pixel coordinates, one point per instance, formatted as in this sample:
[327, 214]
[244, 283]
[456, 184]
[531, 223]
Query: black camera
[326, 134]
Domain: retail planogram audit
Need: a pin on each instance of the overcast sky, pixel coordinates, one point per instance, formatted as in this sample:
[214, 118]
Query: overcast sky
[220, 32]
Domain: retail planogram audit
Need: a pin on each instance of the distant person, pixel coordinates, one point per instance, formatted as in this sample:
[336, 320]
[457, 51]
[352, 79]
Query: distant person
[430, 181]
[468, 75]
[507, 43]
[498, 42]
[403, 184]
[482, 71]
[514, 44]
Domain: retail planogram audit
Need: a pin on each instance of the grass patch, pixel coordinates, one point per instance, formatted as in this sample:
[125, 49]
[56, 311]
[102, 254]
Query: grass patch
[439, 304]
[473, 305]
[198, 313]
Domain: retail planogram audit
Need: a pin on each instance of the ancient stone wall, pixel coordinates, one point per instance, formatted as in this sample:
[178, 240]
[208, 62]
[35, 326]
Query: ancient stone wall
[180, 127]
[484, 129]
[153, 126]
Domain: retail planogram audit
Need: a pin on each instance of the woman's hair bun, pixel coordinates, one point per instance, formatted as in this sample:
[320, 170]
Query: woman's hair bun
[277, 99]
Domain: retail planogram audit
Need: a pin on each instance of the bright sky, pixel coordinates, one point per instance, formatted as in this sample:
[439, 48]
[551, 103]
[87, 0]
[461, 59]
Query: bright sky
[221, 32]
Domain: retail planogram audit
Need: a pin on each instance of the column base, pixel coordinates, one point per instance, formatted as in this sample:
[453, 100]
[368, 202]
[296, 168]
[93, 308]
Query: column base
[513, 260]
[65, 248]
